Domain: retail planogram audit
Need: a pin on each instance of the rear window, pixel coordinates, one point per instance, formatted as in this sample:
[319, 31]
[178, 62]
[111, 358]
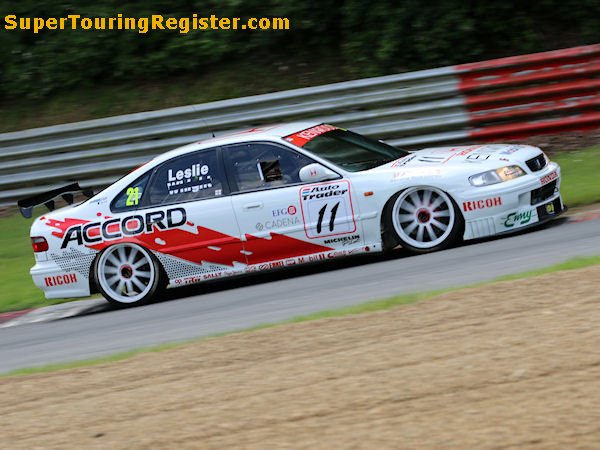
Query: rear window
[131, 196]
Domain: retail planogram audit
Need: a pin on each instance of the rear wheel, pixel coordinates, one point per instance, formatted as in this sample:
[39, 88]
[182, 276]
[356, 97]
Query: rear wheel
[128, 274]
[424, 219]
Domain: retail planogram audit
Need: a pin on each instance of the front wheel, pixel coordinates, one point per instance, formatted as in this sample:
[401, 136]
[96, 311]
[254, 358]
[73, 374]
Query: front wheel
[424, 219]
[128, 274]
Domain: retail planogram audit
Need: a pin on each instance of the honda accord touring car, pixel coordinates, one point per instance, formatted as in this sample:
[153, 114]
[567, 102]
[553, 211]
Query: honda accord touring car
[281, 196]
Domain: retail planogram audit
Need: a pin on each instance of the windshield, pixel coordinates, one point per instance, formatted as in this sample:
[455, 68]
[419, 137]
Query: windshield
[352, 152]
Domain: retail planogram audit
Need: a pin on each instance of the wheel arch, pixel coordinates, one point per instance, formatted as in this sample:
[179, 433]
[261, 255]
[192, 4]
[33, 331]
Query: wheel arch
[162, 276]
[93, 282]
[388, 240]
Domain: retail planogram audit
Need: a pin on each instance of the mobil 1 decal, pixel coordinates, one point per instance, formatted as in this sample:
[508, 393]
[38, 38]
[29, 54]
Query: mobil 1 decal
[327, 209]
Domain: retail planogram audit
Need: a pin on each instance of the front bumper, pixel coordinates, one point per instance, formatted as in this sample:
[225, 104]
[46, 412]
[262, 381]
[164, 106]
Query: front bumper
[499, 209]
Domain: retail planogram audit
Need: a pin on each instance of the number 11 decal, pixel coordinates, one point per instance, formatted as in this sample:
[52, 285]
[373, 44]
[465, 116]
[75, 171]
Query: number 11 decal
[331, 220]
[327, 209]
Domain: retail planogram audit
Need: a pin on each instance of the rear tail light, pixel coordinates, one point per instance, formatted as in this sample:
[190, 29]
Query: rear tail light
[39, 244]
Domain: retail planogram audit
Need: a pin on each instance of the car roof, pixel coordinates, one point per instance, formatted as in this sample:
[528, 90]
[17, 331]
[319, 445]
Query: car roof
[267, 132]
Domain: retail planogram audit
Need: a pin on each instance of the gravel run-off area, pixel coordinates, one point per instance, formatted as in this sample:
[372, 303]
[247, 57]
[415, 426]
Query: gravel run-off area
[515, 364]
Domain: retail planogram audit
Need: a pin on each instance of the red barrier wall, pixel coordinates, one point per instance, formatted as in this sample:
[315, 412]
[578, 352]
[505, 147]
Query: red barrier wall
[541, 93]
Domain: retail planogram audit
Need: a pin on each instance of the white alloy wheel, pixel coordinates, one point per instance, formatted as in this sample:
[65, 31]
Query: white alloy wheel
[127, 274]
[424, 218]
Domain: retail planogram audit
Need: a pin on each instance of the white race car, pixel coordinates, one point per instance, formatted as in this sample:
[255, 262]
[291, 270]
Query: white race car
[280, 196]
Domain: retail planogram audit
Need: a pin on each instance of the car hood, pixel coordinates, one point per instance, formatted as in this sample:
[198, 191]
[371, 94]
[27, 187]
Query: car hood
[471, 158]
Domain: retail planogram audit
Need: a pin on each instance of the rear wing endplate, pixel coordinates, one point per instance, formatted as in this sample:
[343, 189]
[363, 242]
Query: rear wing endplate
[47, 198]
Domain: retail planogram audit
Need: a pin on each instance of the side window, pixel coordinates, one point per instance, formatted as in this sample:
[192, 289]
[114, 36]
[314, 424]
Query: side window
[259, 165]
[131, 196]
[191, 177]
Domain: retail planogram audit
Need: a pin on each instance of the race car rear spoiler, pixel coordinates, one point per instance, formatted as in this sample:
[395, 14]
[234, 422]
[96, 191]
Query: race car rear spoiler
[47, 198]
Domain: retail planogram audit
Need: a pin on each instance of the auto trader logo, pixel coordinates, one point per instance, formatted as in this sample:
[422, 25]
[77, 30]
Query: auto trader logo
[323, 191]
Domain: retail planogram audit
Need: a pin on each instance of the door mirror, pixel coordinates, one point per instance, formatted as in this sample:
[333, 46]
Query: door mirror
[316, 172]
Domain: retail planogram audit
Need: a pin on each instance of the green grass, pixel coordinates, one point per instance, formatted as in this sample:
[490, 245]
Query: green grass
[17, 290]
[571, 264]
[92, 362]
[377, 305]
[581, 179]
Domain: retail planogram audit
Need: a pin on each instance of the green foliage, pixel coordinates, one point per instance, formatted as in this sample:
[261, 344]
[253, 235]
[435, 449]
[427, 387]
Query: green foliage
[580, 184]
[370, 38]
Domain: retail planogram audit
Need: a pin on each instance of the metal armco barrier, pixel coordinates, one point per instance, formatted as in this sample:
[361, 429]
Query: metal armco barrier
[507, 98]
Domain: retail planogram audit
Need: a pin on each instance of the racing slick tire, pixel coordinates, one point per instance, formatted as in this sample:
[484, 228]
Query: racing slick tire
[422, 219]
[127, 274]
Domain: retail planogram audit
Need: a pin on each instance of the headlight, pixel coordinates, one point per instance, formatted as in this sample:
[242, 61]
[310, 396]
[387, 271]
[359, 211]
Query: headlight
[496, 176]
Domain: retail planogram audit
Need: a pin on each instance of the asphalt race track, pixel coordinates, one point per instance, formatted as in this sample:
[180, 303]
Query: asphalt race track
[237, 304]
